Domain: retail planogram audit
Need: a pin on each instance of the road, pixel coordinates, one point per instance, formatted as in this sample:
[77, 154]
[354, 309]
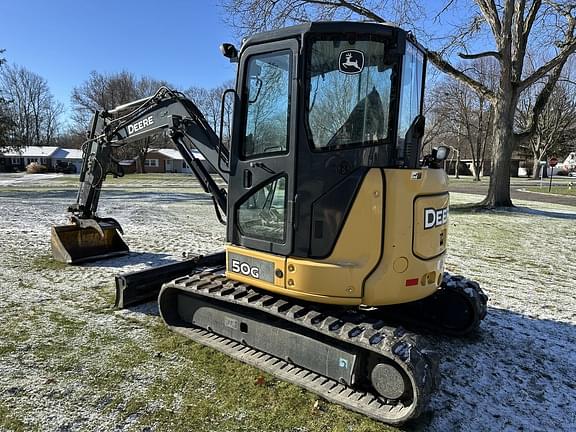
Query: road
[518, 189]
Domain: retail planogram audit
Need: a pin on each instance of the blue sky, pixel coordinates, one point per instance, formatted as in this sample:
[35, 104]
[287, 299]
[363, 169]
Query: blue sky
[63, 40]
[175, 40]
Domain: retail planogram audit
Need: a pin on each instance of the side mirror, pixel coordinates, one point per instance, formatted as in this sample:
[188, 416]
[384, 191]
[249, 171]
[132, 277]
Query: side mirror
[413, 140]
[435, 159]
[442, 153]
[229, 51]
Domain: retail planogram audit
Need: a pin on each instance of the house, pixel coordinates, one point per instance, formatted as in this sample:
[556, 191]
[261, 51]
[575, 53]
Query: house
[18, 159]
[171, 161]
[157, 160]
[68, 156]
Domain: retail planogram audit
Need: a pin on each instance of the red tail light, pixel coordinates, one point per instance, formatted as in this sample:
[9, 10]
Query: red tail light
[412, 282]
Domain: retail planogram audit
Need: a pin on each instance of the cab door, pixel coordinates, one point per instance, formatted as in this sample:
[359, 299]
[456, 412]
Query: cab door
[261, 188]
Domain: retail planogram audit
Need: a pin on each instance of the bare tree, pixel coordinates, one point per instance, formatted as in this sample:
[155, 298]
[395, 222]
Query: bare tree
[101, 92]
[552, 130]
[33, 110]
[467, 114]
[107, 91]
[70, 139]
[209, 102]
[249, 16]
[6, 122]
[512, 26]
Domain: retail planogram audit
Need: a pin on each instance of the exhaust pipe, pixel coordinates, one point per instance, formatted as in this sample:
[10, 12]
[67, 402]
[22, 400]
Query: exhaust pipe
[74, 244]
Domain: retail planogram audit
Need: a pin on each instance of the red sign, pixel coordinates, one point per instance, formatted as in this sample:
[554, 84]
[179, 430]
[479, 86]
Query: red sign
[553, 162]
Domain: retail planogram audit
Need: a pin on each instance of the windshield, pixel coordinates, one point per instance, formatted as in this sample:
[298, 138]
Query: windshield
[349, 93]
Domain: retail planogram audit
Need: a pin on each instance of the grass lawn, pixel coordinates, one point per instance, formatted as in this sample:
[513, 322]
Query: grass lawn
[70, 362]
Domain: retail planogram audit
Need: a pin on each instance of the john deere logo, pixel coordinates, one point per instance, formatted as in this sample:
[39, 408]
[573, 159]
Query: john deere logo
[435, 217]
[351, 62]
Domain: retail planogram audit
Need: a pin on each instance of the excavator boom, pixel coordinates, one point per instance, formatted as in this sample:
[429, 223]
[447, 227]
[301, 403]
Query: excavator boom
[89, 237]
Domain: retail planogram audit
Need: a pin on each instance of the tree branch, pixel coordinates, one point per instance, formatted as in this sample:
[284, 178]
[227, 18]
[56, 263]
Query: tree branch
[446, 67]
[505, 38]
[360, 10]
[521, 33]
[567, 47]
[540, 104]
[490, 12]
[494, 54]
[531, 17]
[559, 60]
[444, 9]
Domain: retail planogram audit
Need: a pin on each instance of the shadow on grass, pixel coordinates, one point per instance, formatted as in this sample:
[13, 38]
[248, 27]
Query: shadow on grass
[516, 374]
[152, 259]
[545, 213]
[149, 308]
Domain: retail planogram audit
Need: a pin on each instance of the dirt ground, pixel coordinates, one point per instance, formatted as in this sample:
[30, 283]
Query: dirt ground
[70, 362]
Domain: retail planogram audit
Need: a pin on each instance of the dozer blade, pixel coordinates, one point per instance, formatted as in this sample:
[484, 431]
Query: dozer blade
[144, 285]
[73, 244]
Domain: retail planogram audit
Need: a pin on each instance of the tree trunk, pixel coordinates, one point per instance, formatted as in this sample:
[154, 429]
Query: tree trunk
[502, 147]
[477, 170]
[140, 168]
[536, 168]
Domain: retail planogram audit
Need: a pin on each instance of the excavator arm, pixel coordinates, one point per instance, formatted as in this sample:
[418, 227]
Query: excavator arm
[89, 236]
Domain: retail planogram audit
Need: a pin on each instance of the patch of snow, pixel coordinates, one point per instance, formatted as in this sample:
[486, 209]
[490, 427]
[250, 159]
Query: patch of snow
[25, 179]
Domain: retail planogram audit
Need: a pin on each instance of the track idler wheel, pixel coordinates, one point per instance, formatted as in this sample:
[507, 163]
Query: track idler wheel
[389, 381]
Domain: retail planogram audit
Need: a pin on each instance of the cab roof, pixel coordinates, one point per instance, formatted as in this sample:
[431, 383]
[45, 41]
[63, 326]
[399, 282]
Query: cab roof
[300, 30]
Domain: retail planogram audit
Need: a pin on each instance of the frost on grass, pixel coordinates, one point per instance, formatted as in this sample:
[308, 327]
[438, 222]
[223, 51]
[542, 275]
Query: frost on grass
[68, 361]
[518, 373]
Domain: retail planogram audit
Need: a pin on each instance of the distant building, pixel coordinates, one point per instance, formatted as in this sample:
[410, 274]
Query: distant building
[170, 161]
[17, 160]
[65, 156]
[157, 160]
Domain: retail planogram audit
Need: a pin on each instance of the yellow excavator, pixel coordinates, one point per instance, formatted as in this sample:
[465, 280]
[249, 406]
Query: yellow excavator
[337, 226]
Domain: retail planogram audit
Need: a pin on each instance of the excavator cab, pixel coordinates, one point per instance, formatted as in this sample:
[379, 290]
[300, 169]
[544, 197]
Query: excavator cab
[325, 167]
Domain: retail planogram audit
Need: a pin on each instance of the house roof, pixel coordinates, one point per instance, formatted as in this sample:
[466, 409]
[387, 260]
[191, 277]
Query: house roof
[32, 151]
[175, 154]
[64, 153]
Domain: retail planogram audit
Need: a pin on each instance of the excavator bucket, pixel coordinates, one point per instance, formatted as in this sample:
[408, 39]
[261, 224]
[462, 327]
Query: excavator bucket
[73, 244]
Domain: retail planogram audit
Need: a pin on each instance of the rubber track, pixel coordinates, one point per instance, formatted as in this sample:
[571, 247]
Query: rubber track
[477, 299]
[422, 315]
[405, 349]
